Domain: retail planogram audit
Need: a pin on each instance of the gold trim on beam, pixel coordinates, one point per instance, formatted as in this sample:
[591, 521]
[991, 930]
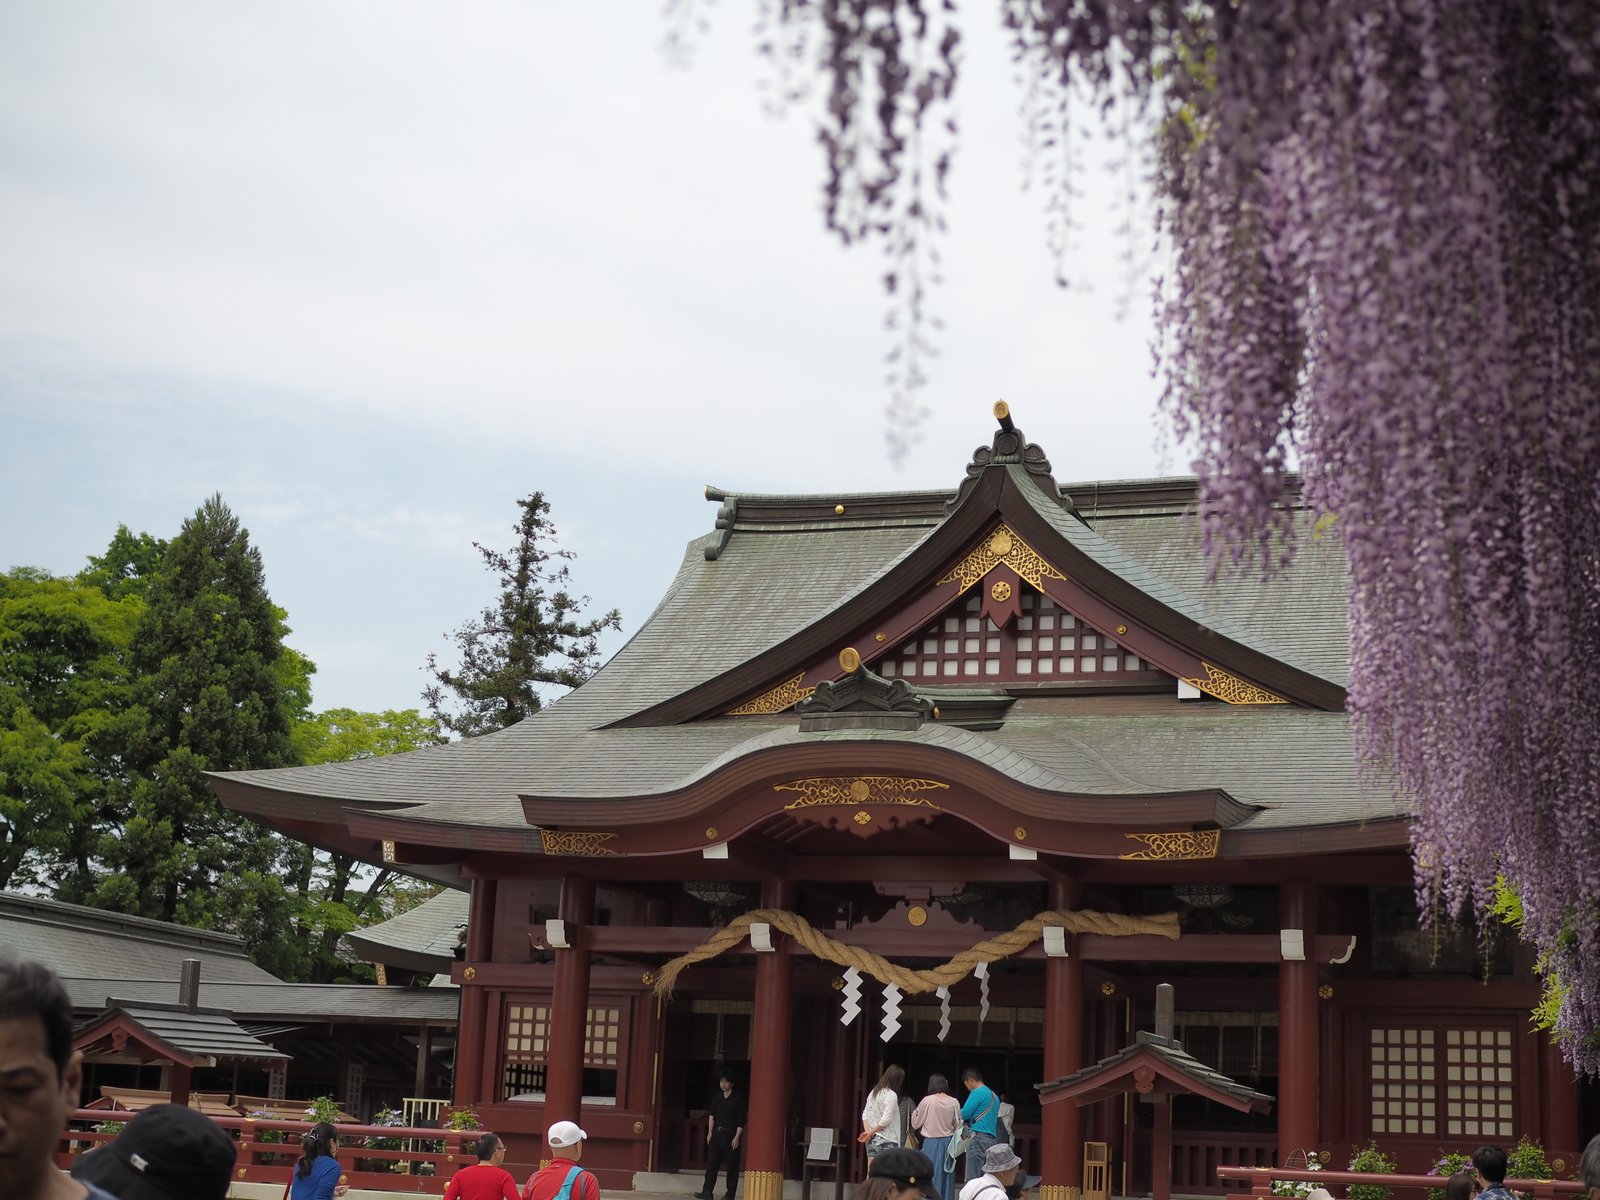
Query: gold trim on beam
[575, 844]
[1232, 689]
[786, 695]
[1002, 546]
[822, 790]
[1185, 843]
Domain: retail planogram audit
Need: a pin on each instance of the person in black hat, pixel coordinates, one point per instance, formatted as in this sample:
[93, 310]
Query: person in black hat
[167, 1152]
[898, 1174]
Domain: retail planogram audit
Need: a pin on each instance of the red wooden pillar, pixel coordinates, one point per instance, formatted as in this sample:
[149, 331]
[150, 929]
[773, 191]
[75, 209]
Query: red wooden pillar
[569, 1006]
[473, 1036]
[1061, 1134]
[1298, 1082]
[769, 1058]
[1559, 1096]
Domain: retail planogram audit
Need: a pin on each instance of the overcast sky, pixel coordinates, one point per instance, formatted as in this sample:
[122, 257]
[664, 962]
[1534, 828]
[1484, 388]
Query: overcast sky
[375, 270]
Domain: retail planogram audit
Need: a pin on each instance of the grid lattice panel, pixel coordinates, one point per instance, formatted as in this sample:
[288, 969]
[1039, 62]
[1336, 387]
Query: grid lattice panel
[1047, 643]
[1478, 1083]
[1404, 1081]
[602, 1037]
[527, 1032]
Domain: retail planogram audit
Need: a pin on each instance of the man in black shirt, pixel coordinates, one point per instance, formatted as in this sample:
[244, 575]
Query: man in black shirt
[724, 1133]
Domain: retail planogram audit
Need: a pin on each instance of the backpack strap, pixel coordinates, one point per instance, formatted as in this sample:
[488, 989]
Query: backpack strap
[566, 1185]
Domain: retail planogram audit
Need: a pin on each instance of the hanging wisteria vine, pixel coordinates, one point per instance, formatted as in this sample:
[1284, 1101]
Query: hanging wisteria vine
[1385, 221]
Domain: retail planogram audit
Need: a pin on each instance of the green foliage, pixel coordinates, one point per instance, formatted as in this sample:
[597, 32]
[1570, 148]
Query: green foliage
[1527, 1161]
[323, 1108]
[459, 1118]
[1370, 1160]
[530, 638]
[1447, 1166]
[213, 689]
[343, 734]
[64, 650]
[1506, 905]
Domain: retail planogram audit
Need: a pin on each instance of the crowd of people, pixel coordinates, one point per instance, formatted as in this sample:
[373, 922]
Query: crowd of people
[171, 1152]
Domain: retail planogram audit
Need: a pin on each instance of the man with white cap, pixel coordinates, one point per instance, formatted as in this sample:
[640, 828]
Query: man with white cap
[1000, 1163]
[562, 1178]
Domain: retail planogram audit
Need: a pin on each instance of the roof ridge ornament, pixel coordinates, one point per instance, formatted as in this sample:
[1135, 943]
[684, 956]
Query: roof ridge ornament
[1011, 448]
[862, 700]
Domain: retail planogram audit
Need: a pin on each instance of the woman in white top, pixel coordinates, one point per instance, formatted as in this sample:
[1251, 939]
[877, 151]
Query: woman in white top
[880, 1116]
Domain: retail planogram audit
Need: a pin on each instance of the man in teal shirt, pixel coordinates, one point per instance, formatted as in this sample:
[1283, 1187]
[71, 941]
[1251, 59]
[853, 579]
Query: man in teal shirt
[980, 1113]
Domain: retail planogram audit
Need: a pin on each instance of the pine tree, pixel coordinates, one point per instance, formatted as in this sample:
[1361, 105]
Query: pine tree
[214, 689]
[531, 637]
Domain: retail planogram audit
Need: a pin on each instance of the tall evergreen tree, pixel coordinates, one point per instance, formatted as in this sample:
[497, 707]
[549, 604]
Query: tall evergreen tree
[530, 638]
[214, 689]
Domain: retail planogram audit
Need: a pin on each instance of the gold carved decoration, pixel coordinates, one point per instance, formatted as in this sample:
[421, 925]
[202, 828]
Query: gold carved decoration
[388, 850]
[1107, 988]
[647, 978]
[862, 817]
[785, 695]
[1185, 843]
[1326, 991]
[1002, 546]
[1232, 689]
[823, 790]
[470, 974]
[917, 916]
[576, 844]
[1001, 590]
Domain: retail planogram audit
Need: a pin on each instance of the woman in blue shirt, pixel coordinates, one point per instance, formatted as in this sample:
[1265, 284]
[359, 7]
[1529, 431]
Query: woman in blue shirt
[317, 1175]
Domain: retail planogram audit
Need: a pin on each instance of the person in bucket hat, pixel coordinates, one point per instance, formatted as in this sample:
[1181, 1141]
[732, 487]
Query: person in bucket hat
[167, 1152]
[1000, 1165]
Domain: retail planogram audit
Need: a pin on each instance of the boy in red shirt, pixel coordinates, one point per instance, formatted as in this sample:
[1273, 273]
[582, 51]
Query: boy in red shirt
[486, 1179]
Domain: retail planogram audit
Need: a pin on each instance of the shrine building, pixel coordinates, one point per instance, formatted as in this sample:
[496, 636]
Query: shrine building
[953, 779]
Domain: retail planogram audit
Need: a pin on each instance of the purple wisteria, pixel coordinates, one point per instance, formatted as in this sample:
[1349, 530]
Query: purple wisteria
[1385, 221]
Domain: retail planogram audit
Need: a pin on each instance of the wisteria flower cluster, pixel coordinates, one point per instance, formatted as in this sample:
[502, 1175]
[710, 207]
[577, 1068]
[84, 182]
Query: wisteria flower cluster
[1385, 224]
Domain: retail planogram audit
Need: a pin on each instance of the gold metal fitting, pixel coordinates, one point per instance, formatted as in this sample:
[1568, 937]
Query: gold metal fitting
[838, 510]
[1002, 410]
[711, 833]
[1107, 988]
[849, 659]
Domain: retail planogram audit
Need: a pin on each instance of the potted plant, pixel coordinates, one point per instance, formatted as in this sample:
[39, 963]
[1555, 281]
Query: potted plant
[1372, 1161]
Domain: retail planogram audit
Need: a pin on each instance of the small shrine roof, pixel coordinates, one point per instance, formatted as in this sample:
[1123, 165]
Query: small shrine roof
[163, 1029]
[1166, 1058]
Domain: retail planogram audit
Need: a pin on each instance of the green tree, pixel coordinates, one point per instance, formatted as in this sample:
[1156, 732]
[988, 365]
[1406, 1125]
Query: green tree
[334, 899]
[214, 688]
[63, 683]
[530, 638]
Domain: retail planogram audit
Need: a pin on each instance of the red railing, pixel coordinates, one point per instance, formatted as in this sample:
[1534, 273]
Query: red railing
[425, 1169]
[1261, 1179]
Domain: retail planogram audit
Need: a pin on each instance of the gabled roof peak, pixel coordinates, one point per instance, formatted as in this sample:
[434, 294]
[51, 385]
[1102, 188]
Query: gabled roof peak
[1011, 448]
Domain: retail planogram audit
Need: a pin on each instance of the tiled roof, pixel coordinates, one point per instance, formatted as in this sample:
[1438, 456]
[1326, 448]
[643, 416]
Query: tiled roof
[298, 1003]
[1170, 1054]
[197, 1034]
[423, 938]
[773, 579]
[78, 942]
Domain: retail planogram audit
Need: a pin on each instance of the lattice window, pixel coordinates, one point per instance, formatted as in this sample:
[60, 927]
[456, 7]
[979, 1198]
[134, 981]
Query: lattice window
[1404, 1091]
[1478, 1083]
[601, 1037]
[1046, 642]
[527, 1045]
[1442, 1079]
